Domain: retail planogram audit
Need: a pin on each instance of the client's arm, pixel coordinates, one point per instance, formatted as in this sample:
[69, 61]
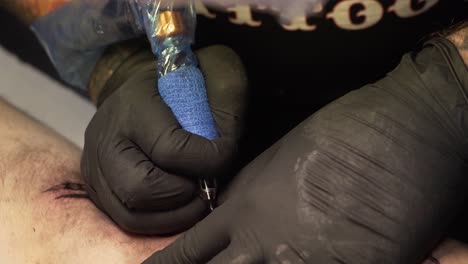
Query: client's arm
[45, 216]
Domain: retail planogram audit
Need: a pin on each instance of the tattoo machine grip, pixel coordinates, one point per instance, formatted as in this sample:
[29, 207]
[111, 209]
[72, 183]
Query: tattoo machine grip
[181, 83]
[183, 90]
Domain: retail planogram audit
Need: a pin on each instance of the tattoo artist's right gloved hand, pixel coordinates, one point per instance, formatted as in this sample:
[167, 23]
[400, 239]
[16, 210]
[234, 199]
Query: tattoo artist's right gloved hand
[140, 166]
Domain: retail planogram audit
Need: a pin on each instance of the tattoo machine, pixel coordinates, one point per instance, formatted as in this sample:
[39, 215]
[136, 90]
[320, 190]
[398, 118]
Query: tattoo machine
[181, 84]
[76, 33]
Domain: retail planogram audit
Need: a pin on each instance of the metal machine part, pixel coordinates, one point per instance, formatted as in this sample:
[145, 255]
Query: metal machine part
[209, 191]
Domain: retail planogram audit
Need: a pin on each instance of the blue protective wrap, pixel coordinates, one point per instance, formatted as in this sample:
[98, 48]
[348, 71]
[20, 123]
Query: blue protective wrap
[184, 92]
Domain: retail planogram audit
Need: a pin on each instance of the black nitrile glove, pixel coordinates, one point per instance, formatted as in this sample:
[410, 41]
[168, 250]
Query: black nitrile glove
[140, 166]
[376, 177]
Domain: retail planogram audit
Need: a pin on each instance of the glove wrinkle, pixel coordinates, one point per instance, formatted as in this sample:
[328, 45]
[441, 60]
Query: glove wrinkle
[351, 183]
[142, 166]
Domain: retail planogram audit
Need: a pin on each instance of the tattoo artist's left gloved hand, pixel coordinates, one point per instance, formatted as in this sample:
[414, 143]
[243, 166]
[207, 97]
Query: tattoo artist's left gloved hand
[140, 166]
[375, 177]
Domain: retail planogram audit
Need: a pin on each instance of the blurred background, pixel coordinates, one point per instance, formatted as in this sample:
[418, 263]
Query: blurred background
[24, 69]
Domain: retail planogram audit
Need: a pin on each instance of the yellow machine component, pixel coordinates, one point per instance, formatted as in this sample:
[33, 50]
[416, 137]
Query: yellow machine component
[170, 24]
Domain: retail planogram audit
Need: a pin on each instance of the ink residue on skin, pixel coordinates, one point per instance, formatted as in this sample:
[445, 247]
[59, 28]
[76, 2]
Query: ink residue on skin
[69, 190]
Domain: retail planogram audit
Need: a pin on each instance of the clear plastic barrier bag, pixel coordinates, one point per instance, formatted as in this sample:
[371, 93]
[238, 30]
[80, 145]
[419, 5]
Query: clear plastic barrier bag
[77, 32]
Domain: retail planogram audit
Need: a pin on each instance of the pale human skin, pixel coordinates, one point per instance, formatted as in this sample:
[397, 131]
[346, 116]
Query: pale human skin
[37, 168]
[35, 226]
[450, 252]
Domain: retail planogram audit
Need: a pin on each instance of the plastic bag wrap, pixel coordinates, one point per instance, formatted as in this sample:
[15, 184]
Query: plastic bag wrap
[77, 32]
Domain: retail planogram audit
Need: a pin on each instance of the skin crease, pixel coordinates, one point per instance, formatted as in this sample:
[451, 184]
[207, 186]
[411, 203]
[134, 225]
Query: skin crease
[40, 228]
